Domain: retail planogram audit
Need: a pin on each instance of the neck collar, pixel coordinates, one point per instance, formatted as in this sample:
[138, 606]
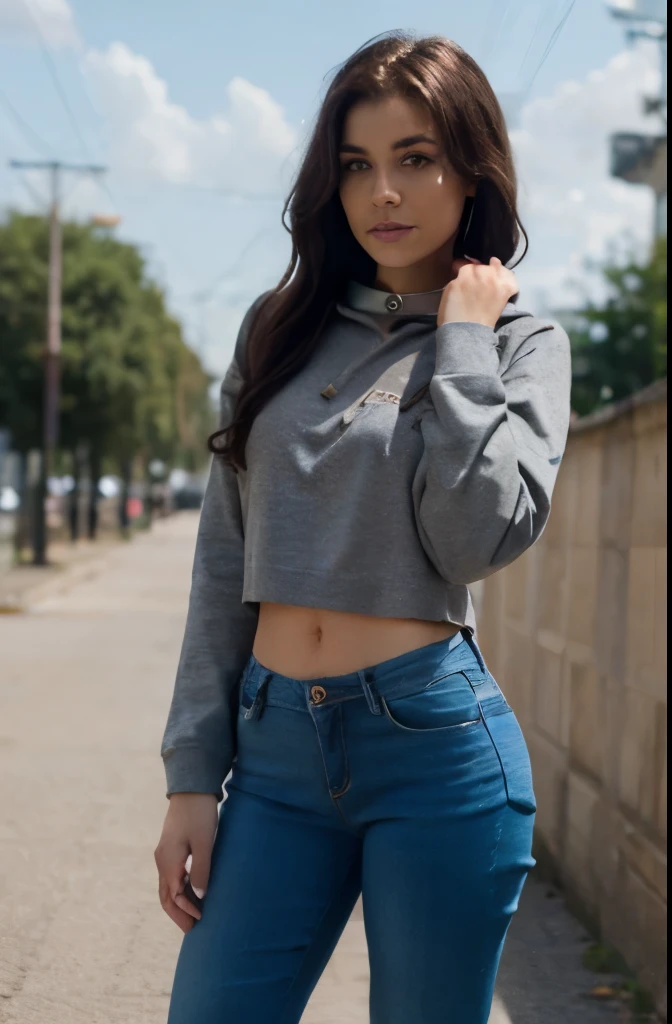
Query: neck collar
[373, 300]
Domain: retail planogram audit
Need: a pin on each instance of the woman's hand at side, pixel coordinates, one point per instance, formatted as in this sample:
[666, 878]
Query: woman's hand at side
[189, 829]
[478, 293]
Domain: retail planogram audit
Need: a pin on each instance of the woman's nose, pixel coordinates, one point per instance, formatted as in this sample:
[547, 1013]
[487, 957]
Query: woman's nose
[384, 191]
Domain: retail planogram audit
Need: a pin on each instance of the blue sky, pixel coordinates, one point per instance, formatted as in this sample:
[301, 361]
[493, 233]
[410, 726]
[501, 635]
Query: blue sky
[200, 111]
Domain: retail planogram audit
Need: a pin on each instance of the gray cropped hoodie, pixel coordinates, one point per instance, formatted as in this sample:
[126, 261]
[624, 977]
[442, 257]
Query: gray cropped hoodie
[386, 476]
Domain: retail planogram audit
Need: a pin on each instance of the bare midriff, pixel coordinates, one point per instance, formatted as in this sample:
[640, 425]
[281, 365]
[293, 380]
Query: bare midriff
[312, 643]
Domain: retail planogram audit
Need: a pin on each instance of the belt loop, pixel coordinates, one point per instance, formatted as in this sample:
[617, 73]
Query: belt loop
[255, 711]
[370, 694]
[471, 640]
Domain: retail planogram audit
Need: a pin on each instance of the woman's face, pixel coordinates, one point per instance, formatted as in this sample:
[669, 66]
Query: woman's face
[393, 169]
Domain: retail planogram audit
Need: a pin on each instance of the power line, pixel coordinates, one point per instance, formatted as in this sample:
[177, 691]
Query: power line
[39, 201]
[63, 96]
[552, 41]
[29, 134]
[48, 59]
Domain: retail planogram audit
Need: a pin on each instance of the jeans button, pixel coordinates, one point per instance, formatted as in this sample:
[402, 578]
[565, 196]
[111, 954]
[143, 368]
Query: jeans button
[317, 694]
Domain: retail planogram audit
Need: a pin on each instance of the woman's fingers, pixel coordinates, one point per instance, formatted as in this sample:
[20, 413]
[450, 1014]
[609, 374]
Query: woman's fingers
[183, 904]
[180, 917]
[176, 882]
[188, 835]
[171, 866]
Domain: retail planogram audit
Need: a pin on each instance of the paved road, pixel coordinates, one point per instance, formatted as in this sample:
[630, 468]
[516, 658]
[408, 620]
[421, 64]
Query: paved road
[85, 683]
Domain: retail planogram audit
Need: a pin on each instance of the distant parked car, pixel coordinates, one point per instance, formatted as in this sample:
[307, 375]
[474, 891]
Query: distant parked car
[190, 496]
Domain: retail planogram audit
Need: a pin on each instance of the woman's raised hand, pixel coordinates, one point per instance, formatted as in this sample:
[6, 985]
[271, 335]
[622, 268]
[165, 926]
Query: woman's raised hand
[478, 292]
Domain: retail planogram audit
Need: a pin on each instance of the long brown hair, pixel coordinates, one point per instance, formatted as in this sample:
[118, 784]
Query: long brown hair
[286, 327]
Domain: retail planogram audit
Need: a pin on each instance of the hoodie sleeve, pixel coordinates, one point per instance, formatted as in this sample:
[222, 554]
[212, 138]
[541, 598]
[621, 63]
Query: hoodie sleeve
[198, 745]
[493, 441]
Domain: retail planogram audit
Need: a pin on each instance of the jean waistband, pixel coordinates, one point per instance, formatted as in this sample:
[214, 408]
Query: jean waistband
[388, 678]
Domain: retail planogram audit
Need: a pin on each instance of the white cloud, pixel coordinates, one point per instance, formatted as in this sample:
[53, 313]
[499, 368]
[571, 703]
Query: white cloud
[241, 149]
[570, 205]
[30, 20]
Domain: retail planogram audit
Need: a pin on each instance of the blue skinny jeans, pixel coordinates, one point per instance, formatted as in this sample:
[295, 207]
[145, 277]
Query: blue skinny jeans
[408, 782]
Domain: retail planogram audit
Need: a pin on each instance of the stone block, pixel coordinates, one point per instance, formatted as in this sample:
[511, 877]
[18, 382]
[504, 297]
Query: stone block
[637, 927]
[649, 496]
[565, 701]
[639, 754]
[660, 614]
[611, 613]
[552, 590]
[615, 712]
[518, 678]
[606, 856]
[548, 695]
[582, 799]
[617, 480]
[588, 455]
[641, 619]
[582, 600]
[647, 860]
[549, 770]
[587, 733]
[661, 817]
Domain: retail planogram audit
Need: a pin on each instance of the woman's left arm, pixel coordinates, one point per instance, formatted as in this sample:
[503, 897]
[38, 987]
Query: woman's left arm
[493, 442]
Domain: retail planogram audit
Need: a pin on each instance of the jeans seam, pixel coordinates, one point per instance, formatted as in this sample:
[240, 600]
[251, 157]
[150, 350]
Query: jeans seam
[346, 786]
[342, 815]
[344, 749]
[337, 807]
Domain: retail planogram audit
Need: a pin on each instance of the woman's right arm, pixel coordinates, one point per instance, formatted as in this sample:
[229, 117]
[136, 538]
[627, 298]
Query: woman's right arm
[199, 740]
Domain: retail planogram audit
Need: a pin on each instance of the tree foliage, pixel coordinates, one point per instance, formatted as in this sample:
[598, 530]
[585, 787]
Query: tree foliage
[621, 346]
[129, 383]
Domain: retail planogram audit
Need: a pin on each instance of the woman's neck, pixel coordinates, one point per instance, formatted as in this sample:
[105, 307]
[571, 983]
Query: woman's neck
[427, 275]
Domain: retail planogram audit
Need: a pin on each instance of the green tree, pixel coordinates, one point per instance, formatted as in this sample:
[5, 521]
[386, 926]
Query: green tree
[621, 346]
[130, 386]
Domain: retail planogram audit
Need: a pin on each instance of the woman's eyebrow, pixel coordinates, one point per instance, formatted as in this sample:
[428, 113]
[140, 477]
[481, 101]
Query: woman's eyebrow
[410, 140]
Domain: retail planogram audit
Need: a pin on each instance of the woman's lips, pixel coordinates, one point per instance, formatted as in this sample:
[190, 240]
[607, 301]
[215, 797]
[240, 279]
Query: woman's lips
[391, 234]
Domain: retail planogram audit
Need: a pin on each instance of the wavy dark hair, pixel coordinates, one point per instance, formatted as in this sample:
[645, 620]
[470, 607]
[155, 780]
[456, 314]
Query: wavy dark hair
[286, 326]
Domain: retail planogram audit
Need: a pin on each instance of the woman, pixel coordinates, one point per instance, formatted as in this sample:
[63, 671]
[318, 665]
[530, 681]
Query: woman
[391, 431]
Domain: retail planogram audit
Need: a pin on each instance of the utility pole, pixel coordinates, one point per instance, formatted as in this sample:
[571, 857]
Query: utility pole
[642, 159]
[52, 365]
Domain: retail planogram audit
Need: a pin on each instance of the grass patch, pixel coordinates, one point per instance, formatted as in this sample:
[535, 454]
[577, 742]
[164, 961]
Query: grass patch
[604, 959]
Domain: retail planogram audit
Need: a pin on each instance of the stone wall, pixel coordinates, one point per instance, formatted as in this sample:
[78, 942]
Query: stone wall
[575, 633]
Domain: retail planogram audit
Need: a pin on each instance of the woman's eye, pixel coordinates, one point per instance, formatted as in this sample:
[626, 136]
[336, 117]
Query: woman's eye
[419, 156]
[352, 164]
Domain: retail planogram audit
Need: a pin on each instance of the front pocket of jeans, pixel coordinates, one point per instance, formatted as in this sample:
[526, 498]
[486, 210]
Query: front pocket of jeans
[509, 743]
[448, 703]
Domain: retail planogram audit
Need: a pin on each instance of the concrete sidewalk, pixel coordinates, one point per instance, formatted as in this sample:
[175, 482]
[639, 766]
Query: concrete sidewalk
[24, 585]
[84, 691]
